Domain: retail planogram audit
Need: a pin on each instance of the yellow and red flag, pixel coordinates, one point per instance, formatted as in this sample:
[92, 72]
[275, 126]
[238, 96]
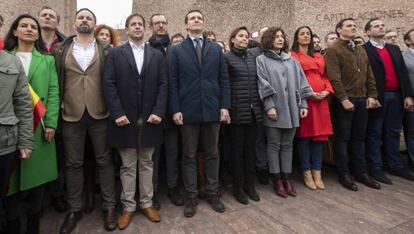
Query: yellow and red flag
[39, 109]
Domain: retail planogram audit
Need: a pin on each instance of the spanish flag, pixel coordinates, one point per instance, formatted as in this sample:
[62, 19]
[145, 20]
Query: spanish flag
[39, 109]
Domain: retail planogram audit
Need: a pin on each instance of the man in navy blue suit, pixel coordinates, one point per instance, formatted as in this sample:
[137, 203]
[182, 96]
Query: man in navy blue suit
[135, 89]
[199, 99]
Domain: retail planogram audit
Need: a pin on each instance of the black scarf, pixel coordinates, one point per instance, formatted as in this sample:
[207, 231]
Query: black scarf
[160, 45]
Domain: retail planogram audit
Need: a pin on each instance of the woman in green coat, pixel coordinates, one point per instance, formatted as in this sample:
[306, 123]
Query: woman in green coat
[27, 184]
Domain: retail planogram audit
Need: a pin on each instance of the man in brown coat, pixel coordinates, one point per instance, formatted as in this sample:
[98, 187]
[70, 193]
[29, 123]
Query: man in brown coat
[351, 76]
[80, 62]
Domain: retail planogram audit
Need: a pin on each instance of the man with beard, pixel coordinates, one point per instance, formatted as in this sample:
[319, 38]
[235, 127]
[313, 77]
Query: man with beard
[80, 63]
[160, 40]
[317, 43]
[135, 87]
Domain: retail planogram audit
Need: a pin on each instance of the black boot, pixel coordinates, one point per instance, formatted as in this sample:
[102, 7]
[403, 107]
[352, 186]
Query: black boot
[240, 195]
[251, 192]
[263, 177]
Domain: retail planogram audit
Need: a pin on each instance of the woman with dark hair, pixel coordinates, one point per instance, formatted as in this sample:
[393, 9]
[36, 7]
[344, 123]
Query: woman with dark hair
[27, 185]
[283, 89]
[246, 113]
[316, 127]
[107, 35]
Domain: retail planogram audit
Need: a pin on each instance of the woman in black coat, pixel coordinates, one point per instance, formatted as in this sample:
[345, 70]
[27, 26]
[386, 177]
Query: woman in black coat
[245, 113]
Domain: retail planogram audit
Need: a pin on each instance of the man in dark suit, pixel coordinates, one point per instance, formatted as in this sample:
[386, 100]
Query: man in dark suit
[160, 40]
[199, 97]
[394, 95]
[135, 87]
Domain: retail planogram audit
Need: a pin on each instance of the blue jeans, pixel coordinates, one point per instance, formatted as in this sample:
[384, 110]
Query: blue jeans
[409, 134]
[261, 156]
[384, 127]
[310, 153]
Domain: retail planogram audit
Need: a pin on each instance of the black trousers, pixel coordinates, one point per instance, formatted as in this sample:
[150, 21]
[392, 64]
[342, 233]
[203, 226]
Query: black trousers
[243, 154]
[350, 129]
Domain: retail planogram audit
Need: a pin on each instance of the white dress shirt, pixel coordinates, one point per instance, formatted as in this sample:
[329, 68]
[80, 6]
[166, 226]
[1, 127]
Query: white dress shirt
[412, 50]
[378, 45]
[83, 55]
[138, 55]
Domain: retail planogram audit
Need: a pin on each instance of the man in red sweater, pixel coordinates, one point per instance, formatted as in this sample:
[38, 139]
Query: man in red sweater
[395, 96]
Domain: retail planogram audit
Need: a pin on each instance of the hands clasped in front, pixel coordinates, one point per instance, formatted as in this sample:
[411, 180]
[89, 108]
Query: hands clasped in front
[123, 120]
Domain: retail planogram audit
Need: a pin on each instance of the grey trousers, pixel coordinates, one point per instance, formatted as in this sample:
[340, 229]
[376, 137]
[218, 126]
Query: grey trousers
[74, 134]
[128, 175]
[280, 149]
[171, 158]
[209, 134]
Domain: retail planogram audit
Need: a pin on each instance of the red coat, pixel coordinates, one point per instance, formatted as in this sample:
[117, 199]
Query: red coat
[318, 122]
[1, 43]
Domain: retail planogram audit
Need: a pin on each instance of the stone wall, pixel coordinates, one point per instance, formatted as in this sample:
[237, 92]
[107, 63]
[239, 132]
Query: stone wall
[224, 15]
[12, 8]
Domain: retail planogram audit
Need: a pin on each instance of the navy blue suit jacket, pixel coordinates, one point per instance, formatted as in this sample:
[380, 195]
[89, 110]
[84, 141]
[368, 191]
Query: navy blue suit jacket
[196, 90]
[120, 84]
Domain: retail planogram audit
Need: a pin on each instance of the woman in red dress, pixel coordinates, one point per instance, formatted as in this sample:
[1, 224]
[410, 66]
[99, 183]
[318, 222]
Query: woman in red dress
[316, 127]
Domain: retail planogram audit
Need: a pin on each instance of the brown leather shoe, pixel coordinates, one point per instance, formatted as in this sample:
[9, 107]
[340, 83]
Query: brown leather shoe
[152, 214]
[125, 219]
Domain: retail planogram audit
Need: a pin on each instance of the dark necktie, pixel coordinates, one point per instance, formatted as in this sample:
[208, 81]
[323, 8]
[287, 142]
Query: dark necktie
[198, 49]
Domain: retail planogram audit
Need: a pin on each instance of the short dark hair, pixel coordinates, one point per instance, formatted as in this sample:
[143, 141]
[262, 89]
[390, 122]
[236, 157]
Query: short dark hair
[368, 24]
[192, 11]
[295, 44]
[208, 33]
[327, 35]
[132, 16]
[234, 33]
[86, 9]
[156, 14]
[407, 35]
[340, 24]
[177, 35]
[269, 36]
[11, 41]
[49, 8]
[314, 35]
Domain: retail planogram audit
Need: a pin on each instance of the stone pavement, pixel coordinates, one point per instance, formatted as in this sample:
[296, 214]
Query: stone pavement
[335, 210]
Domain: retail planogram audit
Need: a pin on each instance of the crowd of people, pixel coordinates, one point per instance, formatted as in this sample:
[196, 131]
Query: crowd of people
[86, 109]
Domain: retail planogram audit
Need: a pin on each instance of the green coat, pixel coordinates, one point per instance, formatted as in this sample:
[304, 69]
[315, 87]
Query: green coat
[41, 167]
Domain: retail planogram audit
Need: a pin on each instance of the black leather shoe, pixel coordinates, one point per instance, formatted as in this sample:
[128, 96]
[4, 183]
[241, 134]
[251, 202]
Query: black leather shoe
[380, 176]
[367, 180]
[215, 203]
[59, 204]
[109, 219]
[251, 192]
[155, 202]
[403, 173]
[263, 177]
[175, 196]
[348, 183]
[190, 207]
[241, 197]
[70, 222]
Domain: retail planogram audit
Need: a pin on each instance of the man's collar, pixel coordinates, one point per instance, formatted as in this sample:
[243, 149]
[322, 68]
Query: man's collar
[193, 38]
[412, 50]
[133, 45]
[380, 45]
